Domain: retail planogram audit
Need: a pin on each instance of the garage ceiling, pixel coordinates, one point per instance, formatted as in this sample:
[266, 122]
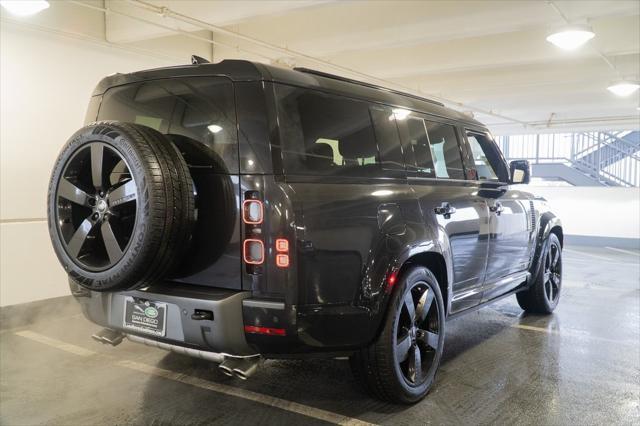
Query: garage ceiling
[489, 56]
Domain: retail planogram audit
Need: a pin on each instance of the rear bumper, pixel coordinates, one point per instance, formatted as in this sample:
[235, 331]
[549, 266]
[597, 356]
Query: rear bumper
[319, 330]
[224, 334]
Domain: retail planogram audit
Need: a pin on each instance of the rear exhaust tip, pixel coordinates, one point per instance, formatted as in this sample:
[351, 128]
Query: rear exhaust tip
[228, 365]
[246, 368]
[108, 336]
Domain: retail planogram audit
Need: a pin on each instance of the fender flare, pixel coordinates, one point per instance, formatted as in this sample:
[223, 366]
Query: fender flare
[548, 221]
[440, 247]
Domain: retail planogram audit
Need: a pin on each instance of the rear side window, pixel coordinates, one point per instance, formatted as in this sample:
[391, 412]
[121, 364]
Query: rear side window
[201, 109]
[332, 135]
[445, 150]
[434, 147]
[419, 144]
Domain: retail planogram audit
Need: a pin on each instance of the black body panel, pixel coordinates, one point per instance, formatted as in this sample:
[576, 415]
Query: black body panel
[356, 218]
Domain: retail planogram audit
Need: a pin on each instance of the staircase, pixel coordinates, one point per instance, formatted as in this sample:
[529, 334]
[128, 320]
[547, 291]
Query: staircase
[603, 158]
[611, 149]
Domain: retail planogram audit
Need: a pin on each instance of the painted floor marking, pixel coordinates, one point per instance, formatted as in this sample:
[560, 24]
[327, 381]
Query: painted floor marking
[632, 253]
[271, 401]
[582, 253]
[245, 394]
[58, 344]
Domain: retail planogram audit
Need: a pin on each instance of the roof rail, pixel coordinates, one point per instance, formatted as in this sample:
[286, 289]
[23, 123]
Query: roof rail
[362, 83]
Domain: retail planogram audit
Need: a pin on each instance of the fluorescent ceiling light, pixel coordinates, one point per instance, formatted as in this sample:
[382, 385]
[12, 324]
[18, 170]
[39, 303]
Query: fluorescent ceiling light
[570, 38]
[24, 7]
[623, 88]
[214, 128]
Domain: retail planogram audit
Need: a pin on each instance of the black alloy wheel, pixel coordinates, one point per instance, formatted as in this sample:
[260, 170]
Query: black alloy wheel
[552, 273]
[96, 210]
[417, 334]
[120, 206]
[401, 364]
[543, 294]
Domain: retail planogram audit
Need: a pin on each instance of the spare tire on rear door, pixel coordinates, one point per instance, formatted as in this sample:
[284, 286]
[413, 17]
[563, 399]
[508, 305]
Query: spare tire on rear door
[120, 206]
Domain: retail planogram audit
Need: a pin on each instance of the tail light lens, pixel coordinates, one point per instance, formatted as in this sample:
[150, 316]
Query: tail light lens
[253, 252]
[269, 331]
[282, 249]
[282, 245]
[282, 260]
[252, 212]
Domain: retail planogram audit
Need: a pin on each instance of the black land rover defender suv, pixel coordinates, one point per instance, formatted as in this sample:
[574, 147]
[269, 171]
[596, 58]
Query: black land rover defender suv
[238, 211]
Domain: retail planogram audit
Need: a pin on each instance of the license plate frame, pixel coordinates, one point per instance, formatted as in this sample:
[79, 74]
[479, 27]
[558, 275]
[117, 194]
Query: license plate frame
[145, 316]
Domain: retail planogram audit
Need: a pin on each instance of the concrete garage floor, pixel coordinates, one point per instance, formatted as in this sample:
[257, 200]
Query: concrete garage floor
[578, 366]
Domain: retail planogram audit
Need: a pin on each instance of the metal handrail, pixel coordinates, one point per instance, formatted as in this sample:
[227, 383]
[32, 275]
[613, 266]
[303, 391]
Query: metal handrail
[598, 154]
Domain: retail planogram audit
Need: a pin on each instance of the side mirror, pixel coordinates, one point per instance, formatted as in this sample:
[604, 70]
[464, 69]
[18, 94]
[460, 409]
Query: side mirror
[520, 171]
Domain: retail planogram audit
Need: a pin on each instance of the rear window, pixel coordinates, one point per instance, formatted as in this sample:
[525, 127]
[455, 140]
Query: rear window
[332, 135]
[201, 109]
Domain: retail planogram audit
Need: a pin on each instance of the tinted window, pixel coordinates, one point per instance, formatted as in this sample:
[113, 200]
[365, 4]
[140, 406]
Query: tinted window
[201, 109]
[331, 135]
[481, 164]
[484, 160]
[387, 137]
[419, 143]
[445, 150]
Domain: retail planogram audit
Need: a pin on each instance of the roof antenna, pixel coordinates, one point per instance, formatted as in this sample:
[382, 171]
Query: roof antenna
[197, 60]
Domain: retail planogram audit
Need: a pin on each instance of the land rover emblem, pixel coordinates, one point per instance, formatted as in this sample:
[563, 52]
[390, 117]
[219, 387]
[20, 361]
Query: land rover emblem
[151, 312]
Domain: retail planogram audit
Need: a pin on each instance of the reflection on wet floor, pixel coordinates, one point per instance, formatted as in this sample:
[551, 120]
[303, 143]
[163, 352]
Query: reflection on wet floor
[578, 366]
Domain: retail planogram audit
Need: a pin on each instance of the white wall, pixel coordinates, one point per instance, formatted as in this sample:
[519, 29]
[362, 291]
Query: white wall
[46, 80]
[595, 211]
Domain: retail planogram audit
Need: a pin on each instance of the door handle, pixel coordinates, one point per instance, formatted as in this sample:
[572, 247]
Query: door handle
[445, 209]
[497, 208]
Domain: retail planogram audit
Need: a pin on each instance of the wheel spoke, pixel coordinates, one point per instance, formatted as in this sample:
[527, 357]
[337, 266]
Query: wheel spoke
[549, 286]
[110, 243]
[556, 256]
[415, 365]
[431, 339]
[408, 302]
[79, 237]
[97, 153]
[123, 194]
[69, 191]
[402, 348]
[424, 304]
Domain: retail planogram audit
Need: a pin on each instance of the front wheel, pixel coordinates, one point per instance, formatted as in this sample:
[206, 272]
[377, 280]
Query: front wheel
[401, 365]
[544, 294]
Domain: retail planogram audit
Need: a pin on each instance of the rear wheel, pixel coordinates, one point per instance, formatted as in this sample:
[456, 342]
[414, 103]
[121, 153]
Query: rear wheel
[120, 206]
[544, 294]
[401, 365]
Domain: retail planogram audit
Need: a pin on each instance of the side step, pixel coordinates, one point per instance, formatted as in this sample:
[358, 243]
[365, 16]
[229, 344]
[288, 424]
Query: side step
[108, 336]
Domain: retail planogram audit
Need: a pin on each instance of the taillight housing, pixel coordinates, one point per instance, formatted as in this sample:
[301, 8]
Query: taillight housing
[253, 251]
[252, 212]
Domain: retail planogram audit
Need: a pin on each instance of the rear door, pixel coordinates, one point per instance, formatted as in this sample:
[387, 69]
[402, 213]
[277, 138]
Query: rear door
[510, 225]
[199, 115]
[449, 202]
[343, 159]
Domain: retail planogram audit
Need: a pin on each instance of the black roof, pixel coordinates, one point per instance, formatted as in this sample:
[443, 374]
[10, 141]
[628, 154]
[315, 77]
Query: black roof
[241, 70]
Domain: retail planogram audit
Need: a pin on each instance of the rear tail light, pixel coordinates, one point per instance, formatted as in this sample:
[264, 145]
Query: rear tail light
[252, 212]
[264, 330]
[282, 245]
[282, 260]
[282, 256]
[253, 252]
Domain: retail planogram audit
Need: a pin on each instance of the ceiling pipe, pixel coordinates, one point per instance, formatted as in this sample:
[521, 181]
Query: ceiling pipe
[166, 12]
[188, 34]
